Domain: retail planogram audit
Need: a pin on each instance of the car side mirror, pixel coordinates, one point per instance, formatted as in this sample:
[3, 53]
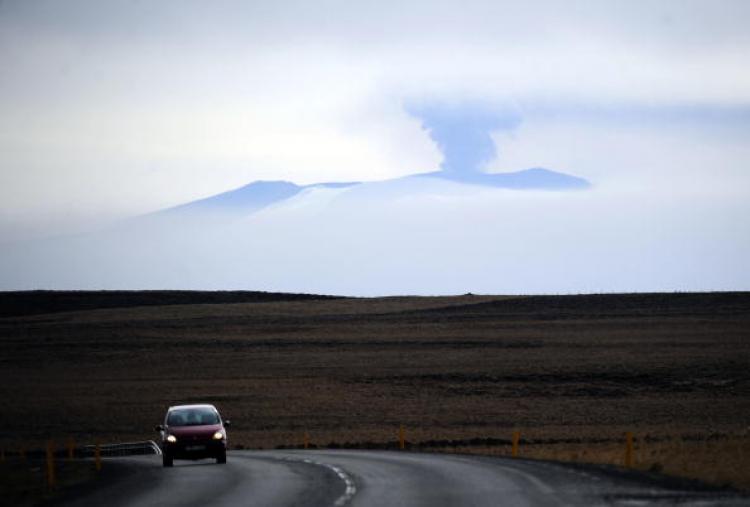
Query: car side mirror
[227, 422]
[158, 428]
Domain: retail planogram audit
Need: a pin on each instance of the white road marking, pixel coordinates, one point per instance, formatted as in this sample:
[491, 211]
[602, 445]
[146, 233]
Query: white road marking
[351, 487]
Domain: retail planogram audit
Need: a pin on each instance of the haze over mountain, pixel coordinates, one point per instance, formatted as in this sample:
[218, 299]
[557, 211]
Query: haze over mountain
[259, 194]
[462, 133]
[454, 230]
[225, 240]
[415, 235]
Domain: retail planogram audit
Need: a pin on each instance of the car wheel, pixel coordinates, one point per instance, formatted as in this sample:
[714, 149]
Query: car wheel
[166, 460]
[221, 458]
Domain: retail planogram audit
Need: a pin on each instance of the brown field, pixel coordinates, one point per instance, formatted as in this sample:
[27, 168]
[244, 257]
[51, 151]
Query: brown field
[572, 373]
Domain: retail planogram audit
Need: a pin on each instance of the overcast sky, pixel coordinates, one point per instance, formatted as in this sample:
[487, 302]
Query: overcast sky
[115, 108]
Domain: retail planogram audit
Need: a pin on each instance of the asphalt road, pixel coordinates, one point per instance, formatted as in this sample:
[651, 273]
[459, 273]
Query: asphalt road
[381, 478]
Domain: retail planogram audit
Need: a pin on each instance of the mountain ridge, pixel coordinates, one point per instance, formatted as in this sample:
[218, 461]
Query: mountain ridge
[260, 194]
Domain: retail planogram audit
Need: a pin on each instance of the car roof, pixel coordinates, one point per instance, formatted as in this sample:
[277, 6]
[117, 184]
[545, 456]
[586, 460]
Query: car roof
[201, 405]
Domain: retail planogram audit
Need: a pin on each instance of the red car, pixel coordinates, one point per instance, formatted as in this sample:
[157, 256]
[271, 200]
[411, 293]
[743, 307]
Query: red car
[193, 432]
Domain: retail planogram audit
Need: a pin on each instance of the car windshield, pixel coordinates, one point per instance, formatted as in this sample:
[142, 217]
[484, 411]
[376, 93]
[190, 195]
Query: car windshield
[192, 417]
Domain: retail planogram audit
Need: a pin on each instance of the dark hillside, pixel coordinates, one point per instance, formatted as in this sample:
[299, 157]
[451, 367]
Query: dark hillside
[16, 304]
[599, 306]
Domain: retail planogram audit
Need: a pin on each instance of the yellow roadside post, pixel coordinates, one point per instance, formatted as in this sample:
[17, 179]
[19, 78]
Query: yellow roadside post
[516, 441]
[740, 452]
[98, 457]
[401, 438]
[629, 449]
[71, 445]
[22, 453]
[50, 465]
[306, 442]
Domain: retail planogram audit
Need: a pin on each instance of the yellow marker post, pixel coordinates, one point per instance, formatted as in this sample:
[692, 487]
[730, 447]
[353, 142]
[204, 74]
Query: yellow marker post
[629, 449]
[306, 442]
[71, 445]
[401, 438]
[50, 465]
[98, 457]
[22, 453]
[516, 441]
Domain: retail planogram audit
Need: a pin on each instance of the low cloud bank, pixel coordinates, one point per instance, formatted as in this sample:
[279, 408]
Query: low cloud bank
[447, 239]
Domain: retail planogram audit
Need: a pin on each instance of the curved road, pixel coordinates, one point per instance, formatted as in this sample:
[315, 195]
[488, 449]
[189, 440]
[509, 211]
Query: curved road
[380, 478]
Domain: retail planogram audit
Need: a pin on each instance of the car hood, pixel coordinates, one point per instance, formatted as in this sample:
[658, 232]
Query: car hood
[194, 431]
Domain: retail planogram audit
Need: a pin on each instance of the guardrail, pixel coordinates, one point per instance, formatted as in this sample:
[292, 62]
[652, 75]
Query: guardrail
[121, 449]
[51, 457]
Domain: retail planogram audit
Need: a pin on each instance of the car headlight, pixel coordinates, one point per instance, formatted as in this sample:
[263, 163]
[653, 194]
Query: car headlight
[218, 435]
[171, 438]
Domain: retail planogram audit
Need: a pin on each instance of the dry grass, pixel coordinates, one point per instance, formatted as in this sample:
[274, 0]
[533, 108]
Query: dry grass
[722, 460]
[353, 370]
